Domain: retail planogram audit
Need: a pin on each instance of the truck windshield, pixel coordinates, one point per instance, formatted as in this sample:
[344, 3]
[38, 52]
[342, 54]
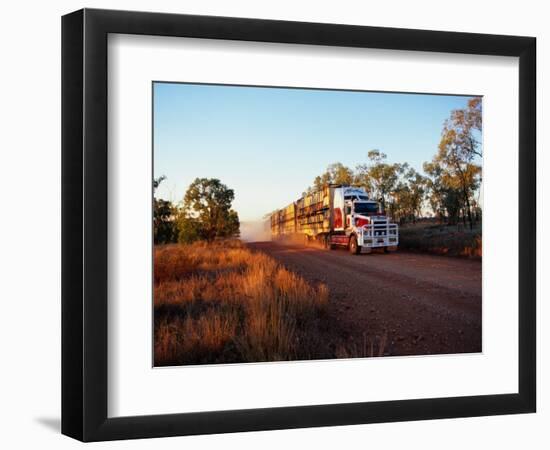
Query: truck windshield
[365, 208]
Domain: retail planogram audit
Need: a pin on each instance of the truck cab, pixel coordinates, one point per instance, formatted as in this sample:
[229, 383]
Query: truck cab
[365, 225]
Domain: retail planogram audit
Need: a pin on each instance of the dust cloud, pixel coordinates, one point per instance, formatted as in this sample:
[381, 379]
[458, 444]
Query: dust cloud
[255, 231]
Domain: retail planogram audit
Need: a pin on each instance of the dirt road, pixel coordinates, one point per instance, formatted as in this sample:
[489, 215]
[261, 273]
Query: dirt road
[403, 303]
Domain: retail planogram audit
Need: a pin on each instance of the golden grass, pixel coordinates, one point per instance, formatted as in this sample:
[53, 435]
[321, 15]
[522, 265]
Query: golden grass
[223, 303]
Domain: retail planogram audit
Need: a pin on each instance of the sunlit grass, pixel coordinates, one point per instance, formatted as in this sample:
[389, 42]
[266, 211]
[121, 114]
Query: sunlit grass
[225, 303]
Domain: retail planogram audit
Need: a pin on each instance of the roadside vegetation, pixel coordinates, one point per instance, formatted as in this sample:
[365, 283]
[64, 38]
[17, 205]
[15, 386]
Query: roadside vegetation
[438, 239]
[221, 302]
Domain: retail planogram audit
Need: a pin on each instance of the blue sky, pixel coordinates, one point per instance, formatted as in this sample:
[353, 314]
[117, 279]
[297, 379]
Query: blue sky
[268, 144]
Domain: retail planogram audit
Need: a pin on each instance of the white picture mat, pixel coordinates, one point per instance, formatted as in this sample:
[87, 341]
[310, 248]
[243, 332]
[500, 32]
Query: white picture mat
[135, 388]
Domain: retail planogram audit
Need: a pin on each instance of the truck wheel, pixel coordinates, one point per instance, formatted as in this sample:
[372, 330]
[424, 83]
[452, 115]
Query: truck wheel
[354, 249]
[390, 249]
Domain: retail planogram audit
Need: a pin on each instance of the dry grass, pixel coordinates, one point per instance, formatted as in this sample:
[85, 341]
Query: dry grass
[223, 303]
[441, 240]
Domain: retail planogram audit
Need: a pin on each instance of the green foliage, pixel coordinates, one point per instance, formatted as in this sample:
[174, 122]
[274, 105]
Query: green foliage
[444, 199]
[231, 226]
[164, 213]
[379, 177]
[408, 195]
[455, 174]
[336, 173]
[207, 213]
[189, 230]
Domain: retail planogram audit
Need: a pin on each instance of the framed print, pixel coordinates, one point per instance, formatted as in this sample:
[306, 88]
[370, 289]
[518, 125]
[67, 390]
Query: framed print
[272, 224]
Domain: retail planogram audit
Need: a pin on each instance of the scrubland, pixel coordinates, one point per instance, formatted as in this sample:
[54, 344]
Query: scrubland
[457, 240]
[224, 303]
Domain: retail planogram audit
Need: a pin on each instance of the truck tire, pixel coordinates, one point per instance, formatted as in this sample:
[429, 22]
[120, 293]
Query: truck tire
[354, 248]
[390, 249]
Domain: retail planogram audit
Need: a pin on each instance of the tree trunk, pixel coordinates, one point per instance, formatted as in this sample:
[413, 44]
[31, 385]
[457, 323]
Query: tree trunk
[469, 210]
[466, 196]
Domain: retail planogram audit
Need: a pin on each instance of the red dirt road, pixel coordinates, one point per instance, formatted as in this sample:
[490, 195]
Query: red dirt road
[405, 303]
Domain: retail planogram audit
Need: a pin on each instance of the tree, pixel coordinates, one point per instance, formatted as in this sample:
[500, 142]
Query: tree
[455, 174]
[189, 229]
[399, 188]
[459, 172]
[362, 177]
[207, 213]
[379, 177]
[336, 173]
[231, 226]
[408, 195]
[444, 200]
[417, 186]
[467, 125]
[164, 225]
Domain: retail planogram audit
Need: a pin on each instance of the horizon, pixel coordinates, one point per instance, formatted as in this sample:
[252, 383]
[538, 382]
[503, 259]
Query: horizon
[287, 136]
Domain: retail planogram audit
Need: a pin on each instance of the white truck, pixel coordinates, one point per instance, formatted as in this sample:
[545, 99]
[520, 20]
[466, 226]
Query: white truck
[337, 215]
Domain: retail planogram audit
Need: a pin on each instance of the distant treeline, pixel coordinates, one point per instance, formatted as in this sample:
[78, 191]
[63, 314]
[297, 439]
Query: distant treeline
[449, 186]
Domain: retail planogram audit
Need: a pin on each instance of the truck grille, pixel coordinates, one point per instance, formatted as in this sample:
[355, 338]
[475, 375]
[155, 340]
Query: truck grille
[380, 228]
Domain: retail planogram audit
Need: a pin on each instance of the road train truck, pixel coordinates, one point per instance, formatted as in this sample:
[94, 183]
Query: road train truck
[337, 215]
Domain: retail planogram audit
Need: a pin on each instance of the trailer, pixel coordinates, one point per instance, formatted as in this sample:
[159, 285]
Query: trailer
[336, 215]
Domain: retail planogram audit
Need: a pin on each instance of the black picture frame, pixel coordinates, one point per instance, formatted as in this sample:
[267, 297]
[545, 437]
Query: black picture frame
[84, 224]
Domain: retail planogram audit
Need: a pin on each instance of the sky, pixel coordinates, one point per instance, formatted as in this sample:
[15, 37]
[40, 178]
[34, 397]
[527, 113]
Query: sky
[268, 144]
